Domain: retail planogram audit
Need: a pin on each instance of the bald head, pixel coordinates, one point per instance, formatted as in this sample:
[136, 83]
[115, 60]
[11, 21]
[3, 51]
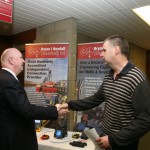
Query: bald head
[10, 52]
[12, 59]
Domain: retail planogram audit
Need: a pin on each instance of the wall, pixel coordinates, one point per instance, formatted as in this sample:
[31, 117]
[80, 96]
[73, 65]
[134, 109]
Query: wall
[144, 143]
[64, 31]
[85, 39]
[148, 64]
[138, 56]
[4, 43]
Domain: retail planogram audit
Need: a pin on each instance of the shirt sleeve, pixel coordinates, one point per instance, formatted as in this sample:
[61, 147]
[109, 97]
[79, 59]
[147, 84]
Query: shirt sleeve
[88, 102]
[141, 123]
[17, 101]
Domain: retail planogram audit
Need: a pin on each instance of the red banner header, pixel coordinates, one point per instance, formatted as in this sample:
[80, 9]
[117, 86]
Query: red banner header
[6, 10]
[90, 50]
[46, 50]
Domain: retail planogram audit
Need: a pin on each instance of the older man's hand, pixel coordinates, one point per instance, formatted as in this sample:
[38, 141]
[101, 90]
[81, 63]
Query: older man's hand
[61, 110]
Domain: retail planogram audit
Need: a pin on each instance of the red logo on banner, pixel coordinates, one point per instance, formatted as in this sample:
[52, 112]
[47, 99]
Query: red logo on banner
[88, 51]
[46, 50]
[7, 1]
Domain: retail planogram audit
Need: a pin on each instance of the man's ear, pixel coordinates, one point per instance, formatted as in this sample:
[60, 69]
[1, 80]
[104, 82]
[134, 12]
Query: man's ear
[11, 60]
[117, 50]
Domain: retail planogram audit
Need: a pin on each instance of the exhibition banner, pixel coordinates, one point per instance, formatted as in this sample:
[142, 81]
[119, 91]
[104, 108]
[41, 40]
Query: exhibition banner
[91, 71]
[46, 73]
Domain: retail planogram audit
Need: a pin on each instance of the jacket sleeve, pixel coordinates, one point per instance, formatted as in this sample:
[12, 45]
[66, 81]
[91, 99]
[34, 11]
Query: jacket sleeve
[17, 101]
[141, 123]
[88, 102]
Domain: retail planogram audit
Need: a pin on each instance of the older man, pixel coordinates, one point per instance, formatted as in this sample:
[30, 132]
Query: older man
[17, 115]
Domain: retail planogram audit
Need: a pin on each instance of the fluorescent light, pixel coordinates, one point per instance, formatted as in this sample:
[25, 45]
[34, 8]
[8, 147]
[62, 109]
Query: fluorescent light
[143, 13]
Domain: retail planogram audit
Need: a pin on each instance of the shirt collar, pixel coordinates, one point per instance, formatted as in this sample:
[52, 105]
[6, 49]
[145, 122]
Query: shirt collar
[125, 70]
[10, 72]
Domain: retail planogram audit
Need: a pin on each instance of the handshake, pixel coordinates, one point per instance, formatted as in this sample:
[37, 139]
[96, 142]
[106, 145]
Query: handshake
[62, 109]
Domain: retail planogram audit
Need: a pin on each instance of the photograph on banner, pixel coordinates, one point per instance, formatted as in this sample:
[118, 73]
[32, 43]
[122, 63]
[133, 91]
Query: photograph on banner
[46, 73]
[90, 74]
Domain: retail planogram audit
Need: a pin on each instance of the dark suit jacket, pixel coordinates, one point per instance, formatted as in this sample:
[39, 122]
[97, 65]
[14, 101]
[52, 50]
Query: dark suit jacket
[17, 115]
